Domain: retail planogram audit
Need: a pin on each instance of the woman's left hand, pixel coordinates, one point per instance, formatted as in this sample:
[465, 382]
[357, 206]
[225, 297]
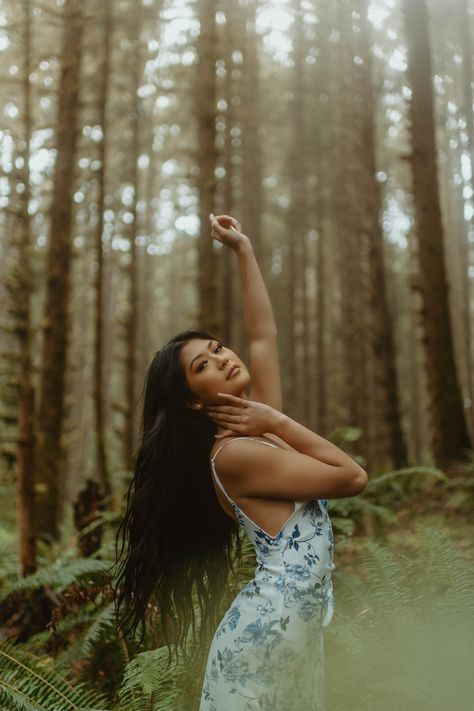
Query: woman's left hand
[227, 230]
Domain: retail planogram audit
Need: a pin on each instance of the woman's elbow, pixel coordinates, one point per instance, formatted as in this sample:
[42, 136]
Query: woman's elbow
[359, 481]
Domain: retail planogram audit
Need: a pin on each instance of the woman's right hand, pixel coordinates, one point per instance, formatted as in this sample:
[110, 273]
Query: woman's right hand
[226, 229]
[244, 417]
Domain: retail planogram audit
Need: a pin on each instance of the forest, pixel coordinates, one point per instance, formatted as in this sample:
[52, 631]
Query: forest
[340, 133]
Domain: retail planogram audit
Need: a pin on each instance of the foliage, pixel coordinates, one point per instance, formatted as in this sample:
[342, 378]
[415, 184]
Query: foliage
[398, 608]
[403, 628]
[31, 683]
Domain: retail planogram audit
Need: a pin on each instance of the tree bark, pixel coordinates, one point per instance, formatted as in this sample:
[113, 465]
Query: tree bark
[205, 102]
[389, 448]
[352, 258]
[131, 323]
[466, 45]
[26, 396]
[98, 393]
[231, 86]
[251, 138]
[55, 317]
[298, 226]
[450, 438]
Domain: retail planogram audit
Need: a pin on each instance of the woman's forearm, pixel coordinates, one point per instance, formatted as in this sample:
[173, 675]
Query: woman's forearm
[313, 445]
[258, 315]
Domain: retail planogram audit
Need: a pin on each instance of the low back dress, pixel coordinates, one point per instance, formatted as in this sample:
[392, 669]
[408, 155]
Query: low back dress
[267, 652]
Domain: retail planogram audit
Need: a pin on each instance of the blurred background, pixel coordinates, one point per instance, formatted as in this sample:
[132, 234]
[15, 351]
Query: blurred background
[340, 134]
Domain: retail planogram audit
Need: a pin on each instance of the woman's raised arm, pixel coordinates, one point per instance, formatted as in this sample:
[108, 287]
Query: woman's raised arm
[259, 321]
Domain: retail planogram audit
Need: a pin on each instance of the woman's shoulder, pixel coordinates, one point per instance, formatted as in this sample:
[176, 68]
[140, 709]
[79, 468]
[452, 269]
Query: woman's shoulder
[267, 437]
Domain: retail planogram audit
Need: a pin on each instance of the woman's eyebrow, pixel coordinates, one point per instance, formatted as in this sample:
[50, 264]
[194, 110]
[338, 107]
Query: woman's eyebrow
[200, 355]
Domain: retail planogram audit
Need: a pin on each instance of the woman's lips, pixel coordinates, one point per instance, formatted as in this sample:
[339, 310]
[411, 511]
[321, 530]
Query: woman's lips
[233, 371]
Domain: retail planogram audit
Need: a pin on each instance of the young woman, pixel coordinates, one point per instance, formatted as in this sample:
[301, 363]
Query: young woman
[191, 492]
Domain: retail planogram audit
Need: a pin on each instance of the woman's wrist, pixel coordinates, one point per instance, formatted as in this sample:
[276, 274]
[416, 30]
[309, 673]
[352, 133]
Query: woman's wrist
[244, 245]
[278, 424]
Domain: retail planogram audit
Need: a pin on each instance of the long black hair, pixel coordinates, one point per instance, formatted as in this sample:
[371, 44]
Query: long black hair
[176, 541]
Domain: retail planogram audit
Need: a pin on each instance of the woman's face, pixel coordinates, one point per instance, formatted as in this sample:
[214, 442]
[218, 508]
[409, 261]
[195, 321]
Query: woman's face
[207, 367]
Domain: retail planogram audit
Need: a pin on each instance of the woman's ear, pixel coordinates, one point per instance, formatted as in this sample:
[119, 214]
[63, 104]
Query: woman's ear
[195, 406]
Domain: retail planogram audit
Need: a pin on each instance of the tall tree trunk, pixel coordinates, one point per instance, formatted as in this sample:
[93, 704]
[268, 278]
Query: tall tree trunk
[229, 45]
[98, 394]
[465, 32]
[298, 225]
[351, 246]
[450, 438]
[389, 448]
[323, 87]
[90, 500]
[205, 101]
[132, 266]
[251, 138]
[55, 319]
[26, 397]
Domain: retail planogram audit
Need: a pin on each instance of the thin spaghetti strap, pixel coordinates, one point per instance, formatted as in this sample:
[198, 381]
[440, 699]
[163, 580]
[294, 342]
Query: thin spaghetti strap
[213, 467]
[244, 437]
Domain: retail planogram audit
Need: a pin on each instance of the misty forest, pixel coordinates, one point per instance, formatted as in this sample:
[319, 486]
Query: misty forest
[340, 134]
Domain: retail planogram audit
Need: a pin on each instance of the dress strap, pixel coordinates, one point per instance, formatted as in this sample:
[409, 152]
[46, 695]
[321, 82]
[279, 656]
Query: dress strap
[217, 452]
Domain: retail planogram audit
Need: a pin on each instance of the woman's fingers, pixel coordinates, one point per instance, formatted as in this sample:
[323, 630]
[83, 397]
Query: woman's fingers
[233, 398]
[226, 219]
[225, 410]
[226, 417]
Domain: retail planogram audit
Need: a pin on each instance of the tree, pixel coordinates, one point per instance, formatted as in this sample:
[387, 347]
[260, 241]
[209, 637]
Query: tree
[205, 105]
[23, 296]
[388, 444]
[49, 451]
[450, 438]
[298, 170]
[131, 322]
[102, 469]
[465, 33]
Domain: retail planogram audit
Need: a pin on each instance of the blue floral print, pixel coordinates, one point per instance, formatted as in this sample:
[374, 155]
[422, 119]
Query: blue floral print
[267, 653]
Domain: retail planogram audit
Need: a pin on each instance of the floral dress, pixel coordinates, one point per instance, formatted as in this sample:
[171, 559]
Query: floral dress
[267, 652]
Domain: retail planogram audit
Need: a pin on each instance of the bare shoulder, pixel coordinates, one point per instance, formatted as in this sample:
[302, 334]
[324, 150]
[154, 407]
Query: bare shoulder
[234, 461]
[279, 440]
[267, 437]
[258, 471]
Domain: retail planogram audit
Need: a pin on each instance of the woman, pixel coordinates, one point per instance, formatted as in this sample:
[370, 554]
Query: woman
[191, 492]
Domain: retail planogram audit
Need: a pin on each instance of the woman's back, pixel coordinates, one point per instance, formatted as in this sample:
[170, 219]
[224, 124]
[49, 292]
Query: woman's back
[267, 513]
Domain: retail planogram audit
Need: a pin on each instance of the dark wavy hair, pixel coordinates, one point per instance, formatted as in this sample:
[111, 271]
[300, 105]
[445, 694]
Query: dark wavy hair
[176, 543]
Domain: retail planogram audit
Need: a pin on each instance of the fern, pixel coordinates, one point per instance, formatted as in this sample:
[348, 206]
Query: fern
[149, 677]
[403, 628]
[102, 623]
[407, 471]
[28, 682]
[59, 575]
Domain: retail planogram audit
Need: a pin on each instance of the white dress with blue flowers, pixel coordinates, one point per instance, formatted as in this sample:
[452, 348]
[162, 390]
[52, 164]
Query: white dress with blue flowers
[267, 652]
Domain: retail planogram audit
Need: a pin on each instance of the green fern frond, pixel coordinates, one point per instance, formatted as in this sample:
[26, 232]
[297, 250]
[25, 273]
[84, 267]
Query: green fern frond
[38, 642]
[30, 682]
[59, 576]
[106, 519]
[102, 623]
[148, 676]
[407, 471]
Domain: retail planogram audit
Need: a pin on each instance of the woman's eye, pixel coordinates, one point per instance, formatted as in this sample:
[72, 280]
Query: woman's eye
[216, 350]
